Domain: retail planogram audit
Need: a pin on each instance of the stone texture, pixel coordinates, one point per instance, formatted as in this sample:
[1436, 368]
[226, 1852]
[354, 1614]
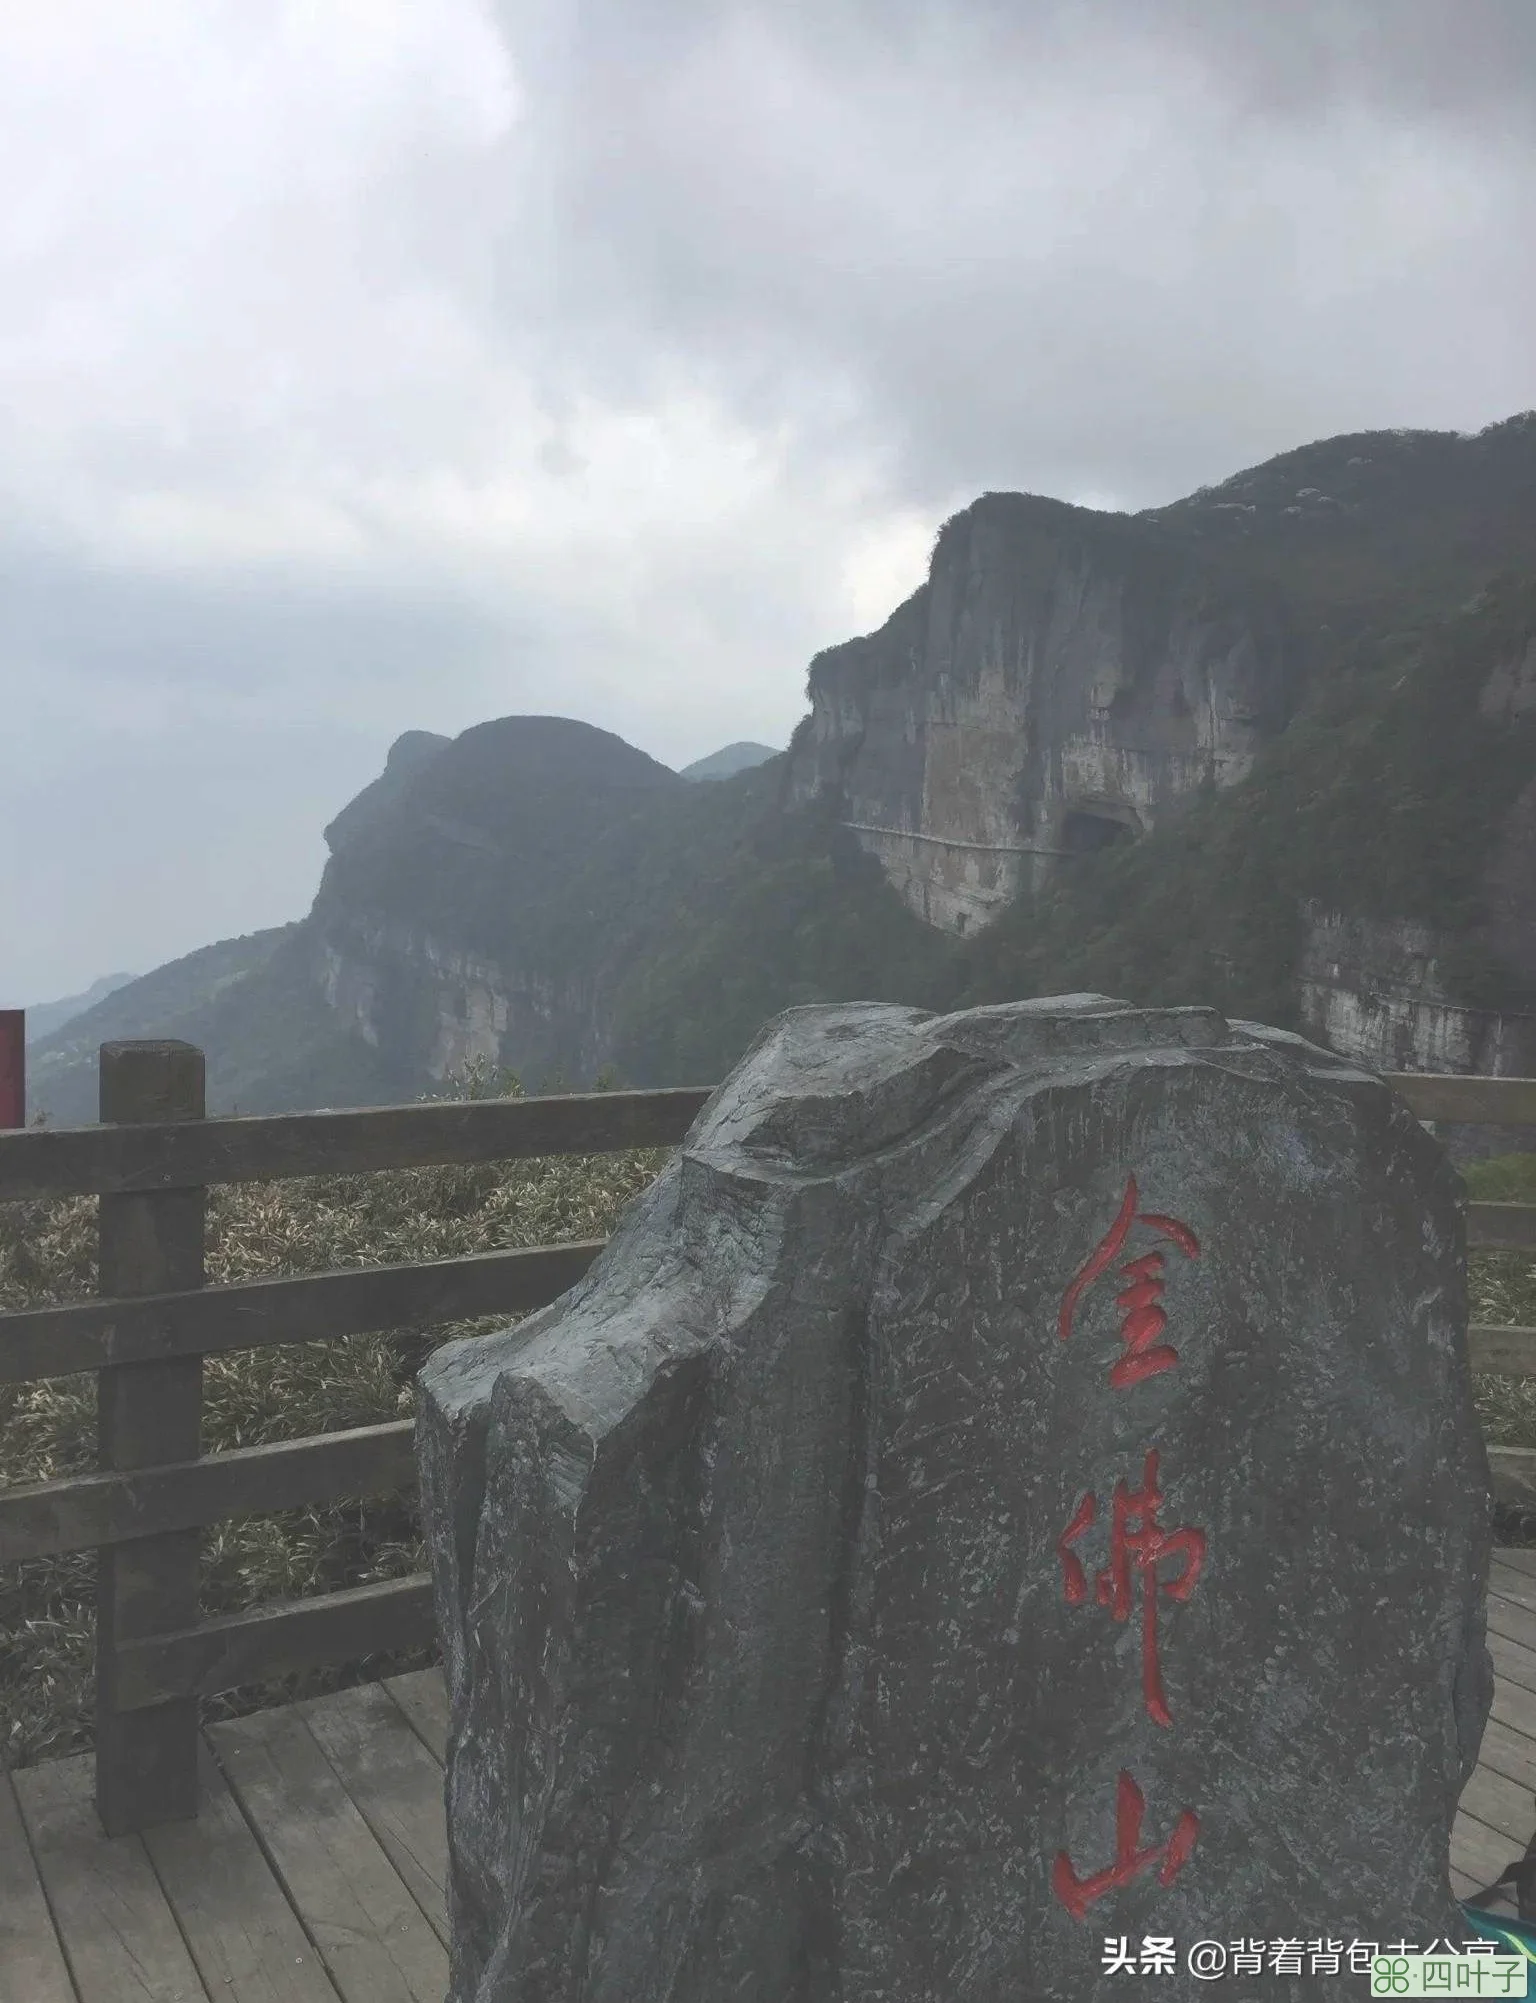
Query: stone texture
[766, 1682]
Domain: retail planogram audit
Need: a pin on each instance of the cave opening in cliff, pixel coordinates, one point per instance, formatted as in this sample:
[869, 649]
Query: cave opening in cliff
[1085, 833]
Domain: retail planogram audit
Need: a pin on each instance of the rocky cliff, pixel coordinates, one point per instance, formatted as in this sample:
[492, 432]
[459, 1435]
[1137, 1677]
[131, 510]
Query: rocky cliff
[1062, 680]
[1065, 679]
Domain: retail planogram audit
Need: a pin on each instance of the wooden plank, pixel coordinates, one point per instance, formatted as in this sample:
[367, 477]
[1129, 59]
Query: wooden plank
[1512, 1584]
[93, 1335]
[234, 1915]
[74, 1161]
[422, 1695]
[32, 1966]
[40, 1519]
[148, 1414]
[1513, 1474]
[396, 1785]
[263, 1642]
[377, 1944]
[1491, 1227]
[1515, 1622]
[1517, 1559]
[1503, 1804]
[1515, 1707]
[1514, 1662]
[1467, 1101]
[1512, 1753]
[1482, 1854]
[120, 1935]
[1496, 1352]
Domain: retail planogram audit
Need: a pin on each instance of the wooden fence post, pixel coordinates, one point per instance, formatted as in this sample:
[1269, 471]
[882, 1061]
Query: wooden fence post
[148, 1413]
[13, 1067]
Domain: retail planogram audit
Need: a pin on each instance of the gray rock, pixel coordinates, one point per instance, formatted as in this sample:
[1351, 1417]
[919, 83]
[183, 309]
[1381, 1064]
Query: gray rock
[788, 1660]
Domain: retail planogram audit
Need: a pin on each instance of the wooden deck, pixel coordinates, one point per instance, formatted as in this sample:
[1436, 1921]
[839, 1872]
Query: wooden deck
[316, 1868]
[314, 1871]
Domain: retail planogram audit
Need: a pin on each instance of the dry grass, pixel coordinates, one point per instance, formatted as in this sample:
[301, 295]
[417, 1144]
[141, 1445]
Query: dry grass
[47, 1429]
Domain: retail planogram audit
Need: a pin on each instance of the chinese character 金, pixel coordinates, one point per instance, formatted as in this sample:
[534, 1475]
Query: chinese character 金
[1142, 1319]
[1078, 1894]
[1135, 1538]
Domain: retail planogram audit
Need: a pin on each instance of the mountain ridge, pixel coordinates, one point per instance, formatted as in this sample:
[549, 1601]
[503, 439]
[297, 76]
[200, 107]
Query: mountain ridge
[44, 1018]
[1181, 685]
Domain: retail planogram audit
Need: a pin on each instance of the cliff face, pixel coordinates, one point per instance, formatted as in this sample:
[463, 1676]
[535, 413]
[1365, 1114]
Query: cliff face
[1387, 991]
[1376, 990]
[1066, 679]
[438, 1007]
[1061, 682]
[455, 919]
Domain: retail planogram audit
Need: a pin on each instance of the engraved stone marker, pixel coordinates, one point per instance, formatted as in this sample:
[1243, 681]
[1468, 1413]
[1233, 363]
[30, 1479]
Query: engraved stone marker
[1011, 1482]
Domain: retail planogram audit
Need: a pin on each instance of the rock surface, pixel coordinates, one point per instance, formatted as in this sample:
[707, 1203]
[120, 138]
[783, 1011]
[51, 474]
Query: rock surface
[1373, 990]
[1061, 681]
[794, 1652]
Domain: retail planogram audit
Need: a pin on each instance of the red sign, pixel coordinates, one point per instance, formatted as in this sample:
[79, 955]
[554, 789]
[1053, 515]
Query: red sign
[1136, 1539]
[13, 1067]
[1142, 1319]
[1078, 1894]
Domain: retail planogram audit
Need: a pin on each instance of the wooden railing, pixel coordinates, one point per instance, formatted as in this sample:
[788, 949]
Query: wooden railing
[151, 1162]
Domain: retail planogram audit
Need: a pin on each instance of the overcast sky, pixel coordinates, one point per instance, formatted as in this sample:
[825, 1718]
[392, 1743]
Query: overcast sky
[370, 365]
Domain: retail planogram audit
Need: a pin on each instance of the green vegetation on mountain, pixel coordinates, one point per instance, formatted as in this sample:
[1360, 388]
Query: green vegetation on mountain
[498, 843]
[1372, 530]
[1382, 800]
[595, 907]
[46, 1018]
[762, 910]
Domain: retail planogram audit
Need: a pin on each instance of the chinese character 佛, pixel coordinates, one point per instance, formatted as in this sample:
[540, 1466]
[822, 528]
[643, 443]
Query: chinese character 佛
[1135, 1539]
[1142, 1319]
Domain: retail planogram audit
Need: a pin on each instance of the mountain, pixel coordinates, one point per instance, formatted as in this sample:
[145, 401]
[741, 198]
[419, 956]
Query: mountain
[408, 756]
[1271, 748]
[1063, 681]
[727, 762]
[248, 1003]
[43, 1018]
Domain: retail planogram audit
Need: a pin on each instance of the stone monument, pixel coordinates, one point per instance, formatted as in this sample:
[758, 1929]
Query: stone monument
[1007, 1492]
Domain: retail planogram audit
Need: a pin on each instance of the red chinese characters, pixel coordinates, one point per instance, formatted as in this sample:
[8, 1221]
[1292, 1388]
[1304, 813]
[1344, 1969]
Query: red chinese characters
[1078, 1894]
[1136, 1540]
[1142, 1318]
[1138, 1543]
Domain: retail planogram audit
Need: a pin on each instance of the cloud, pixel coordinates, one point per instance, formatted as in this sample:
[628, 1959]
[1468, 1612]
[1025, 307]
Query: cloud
[376, 364]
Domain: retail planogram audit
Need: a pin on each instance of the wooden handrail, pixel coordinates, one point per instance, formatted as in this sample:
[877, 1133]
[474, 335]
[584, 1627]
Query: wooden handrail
[1501, 1227]
[1463, 1100]
[276, 1639]
[144, 1509]
[314, 1307]
[80, 1161]
[42, 1519]
[317, 1307]
[74, 1161]
[1502, 1352]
